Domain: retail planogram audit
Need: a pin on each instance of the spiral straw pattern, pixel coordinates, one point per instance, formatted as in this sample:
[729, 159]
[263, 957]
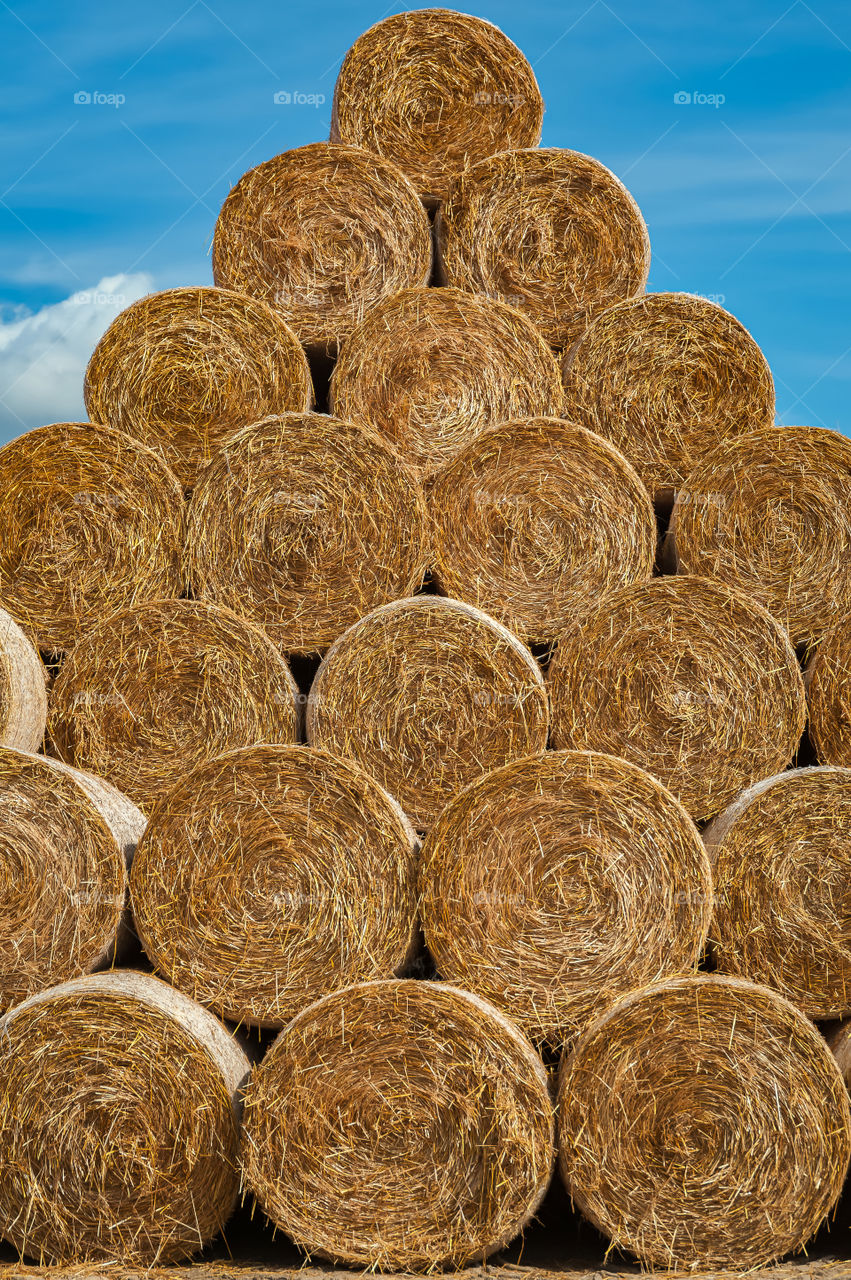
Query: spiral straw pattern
[23, 689]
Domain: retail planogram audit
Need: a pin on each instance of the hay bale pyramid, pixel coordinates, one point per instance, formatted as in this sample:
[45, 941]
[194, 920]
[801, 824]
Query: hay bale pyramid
[444, 715]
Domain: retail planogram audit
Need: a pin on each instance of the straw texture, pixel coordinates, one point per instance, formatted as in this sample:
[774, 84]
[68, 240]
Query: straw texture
[92, 522]
[147, 695]
[304, 524]
[536, 519]
[323, 233]
[183, 369]
[828, 682]
[686, 678]
[271, 876]
[23, 689]
[431, 368]
[667, 378]
[703, 1122]
[119, 1123]
[426, 694]
[399, 1125]
[781, 860]
[556, 884]
[434, 91]
[66, 839]
[552, 232]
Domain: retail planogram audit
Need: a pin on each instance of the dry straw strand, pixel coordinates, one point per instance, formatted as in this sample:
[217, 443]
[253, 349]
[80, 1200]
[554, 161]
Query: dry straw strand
[828, 683]
[434, 91]
[535, 519]
[183, 369]
[687, 678]
[304, 524]
[781, 861]
[704, 1123]
[426, 694]
[399, 1125]
[150, 693]
[556, 884]
[553, 232]
[431, 368]
[119, 1123]
[23, 689]
[271, 876]
[322, 233]
[66, 840]
[92, 523]
[667, 377]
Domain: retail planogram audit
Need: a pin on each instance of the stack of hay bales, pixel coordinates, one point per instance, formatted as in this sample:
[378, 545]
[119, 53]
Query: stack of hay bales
[327, 698]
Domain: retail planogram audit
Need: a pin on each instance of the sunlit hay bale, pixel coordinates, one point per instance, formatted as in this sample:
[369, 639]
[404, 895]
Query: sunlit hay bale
[703, 1123]
[119, 1123]
[668, 377]
[551, 231]
[183, 369]
[323, 233]
[768, 512]
[781, 861]
[399, 1125]
[828, 684]
[687, 678]
[66, 839]
[154, 691]
[271, 876]
[431, 368]
[427, 694]
[23, 689]
[434, 91]
[92, 522]
[557, 884]
[536, 519]
[305, 523]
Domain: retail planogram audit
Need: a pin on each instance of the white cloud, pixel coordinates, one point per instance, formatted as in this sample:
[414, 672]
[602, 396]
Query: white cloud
[43, 355]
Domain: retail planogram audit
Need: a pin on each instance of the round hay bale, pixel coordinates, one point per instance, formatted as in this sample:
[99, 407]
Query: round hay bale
[119, 1123]
[551, 231]
[434, 91]
[556, 884]
[828, 683]
[92, 522]
[323, 233]
[399, 1125]
[23, 689]
[703, 1123]
[147, 695]
[426, 695]
[304, 524]
[183, 369]
[66, 841]
[687, 678]
[271, 876]
[768, 513]
[667, 377]
[431, 368]
[781, 861]
[536, 518]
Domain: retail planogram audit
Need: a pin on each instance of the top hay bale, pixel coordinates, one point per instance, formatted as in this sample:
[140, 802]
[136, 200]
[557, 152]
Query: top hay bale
[92, 523]
[183, 369]
[667, 377]
[552, 232]
[23, 689]
[323, 233]
[435, 91]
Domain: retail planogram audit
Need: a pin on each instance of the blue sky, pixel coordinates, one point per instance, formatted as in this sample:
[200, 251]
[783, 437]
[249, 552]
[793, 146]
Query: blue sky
[748, 199]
